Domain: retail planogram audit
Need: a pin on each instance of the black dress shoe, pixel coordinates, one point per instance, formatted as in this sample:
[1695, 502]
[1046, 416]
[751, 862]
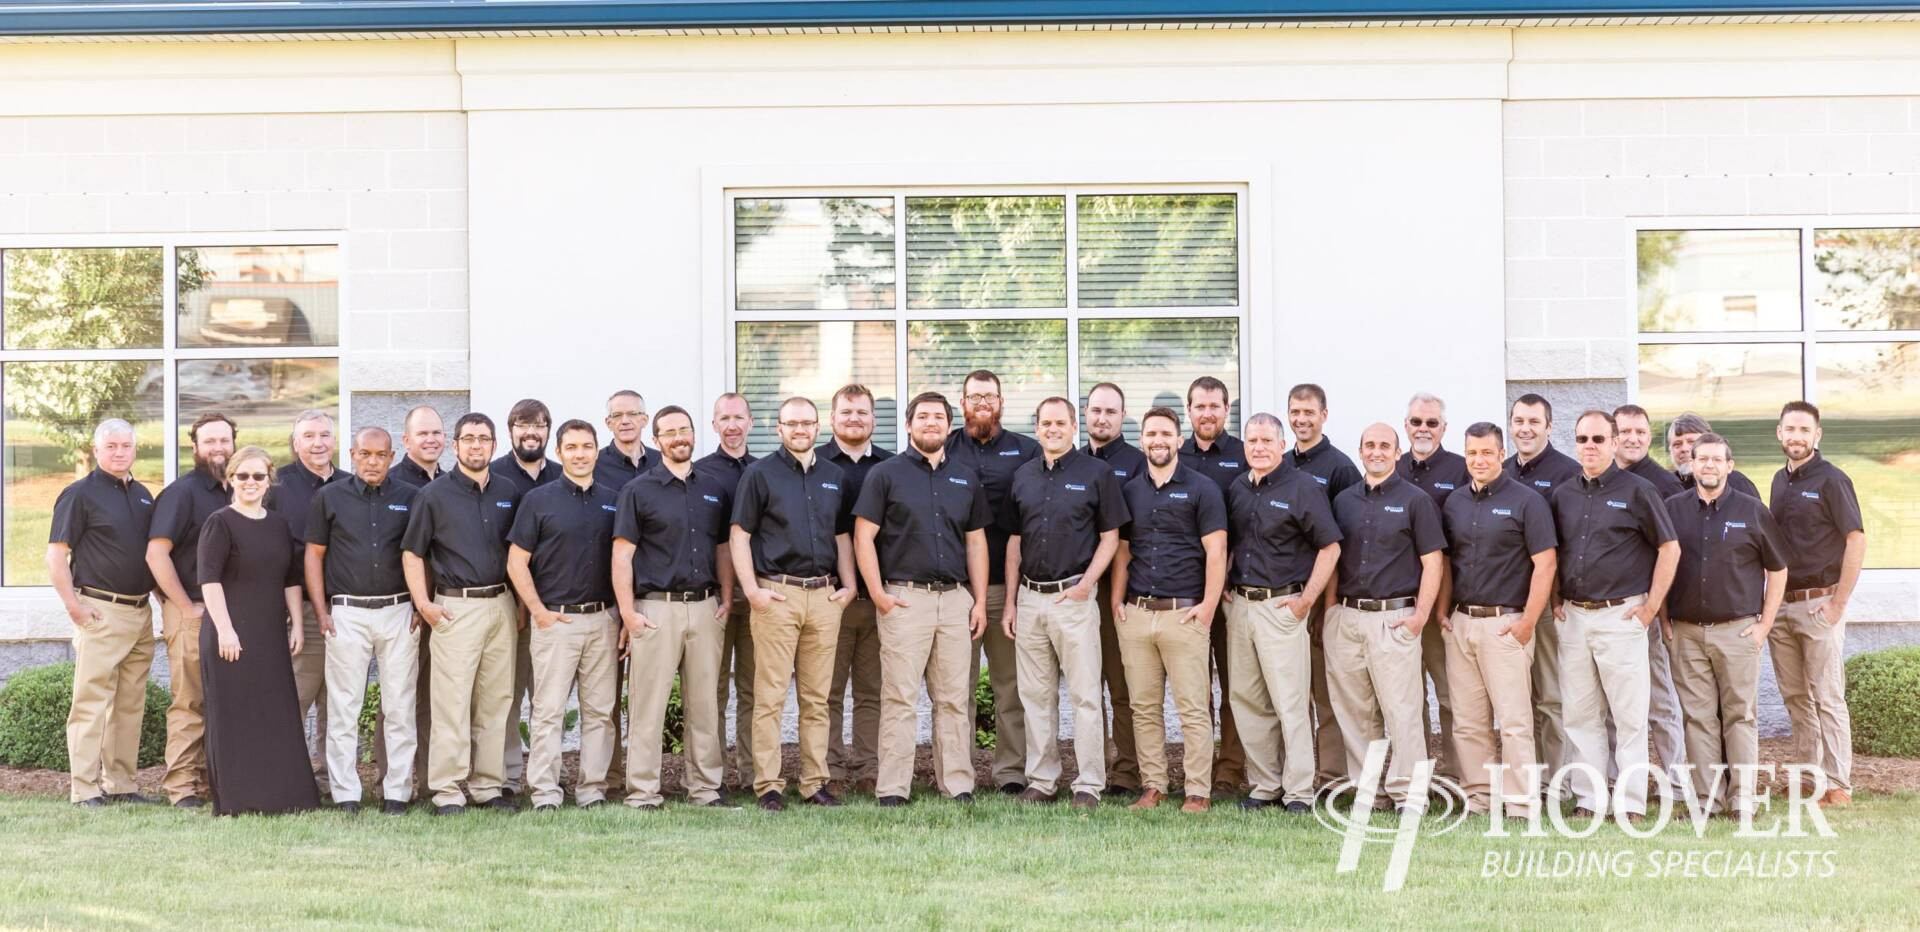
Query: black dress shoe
[350, 808]
[546, 807]
[500, 803]
[1085, 801]
[507, 792]
[188, 802]
[771, 802]
[393, 807]
[92, 802]
[821, 797]
[1298, 808]
[454, 809]
[134, 798]
[714, 803]
[964, 799]
[1013, 789]
[1251, 804]
[888, 802]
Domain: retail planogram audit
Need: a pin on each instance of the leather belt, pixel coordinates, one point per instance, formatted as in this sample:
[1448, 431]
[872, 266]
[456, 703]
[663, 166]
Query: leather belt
[1378, 605]
[579, 608]
[802, 582]
[472, 592]
[683, 595]
[1802, 595]
[1049, 588]
[137, 601]
[1596, 606]
[946, 585]
[1154, 603]
[1262, 594]
[1485, 611]
[378, 601]
[1709, 624]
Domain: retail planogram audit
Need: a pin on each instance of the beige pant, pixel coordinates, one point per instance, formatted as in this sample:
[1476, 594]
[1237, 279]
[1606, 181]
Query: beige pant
[1549, 723]
[422, 719]
[186, 716]
[687, 639]
[856, 663]
[1373, 675]
[1490, 677]
[111, 657]
[384, 636]
[1809, 660]
[736, 669]
[513, 770]
[926, 640]
[1603, 670]
[793, 642]
[472, 690]
[1329, 752]
[1267, 651]
[1433, 668]
[1160, 651]
[1717, 672]
[1123, 764]
[310, 682]
[1230, 754]
[1664, 715]
[1055, 638]
[1003, 676]
[580, 648]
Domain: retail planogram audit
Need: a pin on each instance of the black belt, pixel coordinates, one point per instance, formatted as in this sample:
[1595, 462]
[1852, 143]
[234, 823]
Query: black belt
[1157, 603]
[578, 608]
[380, 601]
[472, 592]
[1709, 624]
[1262, 594]
[802, 582]
[137, 601]
[1802, 595]
[682, 595]
[1484, 611]
[1379, 605]
[1596, 606]
[945, 585]
[1049, 588]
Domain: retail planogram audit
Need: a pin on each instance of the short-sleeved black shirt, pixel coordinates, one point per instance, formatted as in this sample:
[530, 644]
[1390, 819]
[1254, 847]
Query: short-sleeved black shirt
[853, 473]
[411, 473]
[1122, 457]
[675, 525]
[1544, 473]
[1224, 460]
[569, 532]
[105, 523]
[460, 529]
[1328, 466]
[1727, 547]
[924, 513]
[179, 511]
[615, 469]
[507, 466]
[1664, 482]
[1437, 475]
[1610, 529]
[1277, 526]
[362, 527]
[793, 514]
[1816, 509]
[1165, 556]
[292, 495]
[1737, 481]
[1060, 512]
[995, 463]
[722, 471]
[1493, 534]
[1385, 530]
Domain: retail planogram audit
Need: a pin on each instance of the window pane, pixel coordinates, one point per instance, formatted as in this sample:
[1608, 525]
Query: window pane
[1154, 360]
[263, 396]
[1738, 387]
[812, 253]
[81, 298]
[50, 412]
[1694, 280]
[258, 295]
[1158, 250]
[1869, 280]
[1870, 415]
[776, 361]
[1029, 356]
[986, 252]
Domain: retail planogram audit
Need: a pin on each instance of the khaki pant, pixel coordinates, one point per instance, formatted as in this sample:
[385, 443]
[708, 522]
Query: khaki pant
[1717, 671]
[926, 640]
[422, 719]
[186, 715]
[1549, 723]
[1003, 676]
[310, 683]
[472, 690]
[736, 669]
[687, 639]
[383, 636]
[1160, 651]
[111, 657]
[856, 663]
[1603, 670]
[1664, 717]
[1489, 675]
[1809, 661]
[793, 642]
[1123, 764]
[580, 648]
[1268, 654]
[513, 770]
[1433, 668]
[1373, 674]
[1055, 638]
[1230, 761]
[1329, 752]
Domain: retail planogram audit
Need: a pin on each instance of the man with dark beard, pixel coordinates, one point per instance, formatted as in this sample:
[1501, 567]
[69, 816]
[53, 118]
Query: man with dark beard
[527, 467]
[173, 556]
[856, 659]
[1682, 431]
[1212, 452]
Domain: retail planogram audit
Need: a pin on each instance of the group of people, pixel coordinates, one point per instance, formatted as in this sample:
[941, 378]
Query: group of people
[1562, 608]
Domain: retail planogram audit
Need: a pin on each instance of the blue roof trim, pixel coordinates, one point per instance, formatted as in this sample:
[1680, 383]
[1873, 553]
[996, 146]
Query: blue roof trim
[118, 17]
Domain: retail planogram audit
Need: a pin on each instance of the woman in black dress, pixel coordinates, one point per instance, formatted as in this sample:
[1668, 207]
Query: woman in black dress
[256, 742]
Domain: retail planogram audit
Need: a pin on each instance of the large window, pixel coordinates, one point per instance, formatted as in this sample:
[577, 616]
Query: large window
[1055, 290]
[254, 333]
[1736, 322]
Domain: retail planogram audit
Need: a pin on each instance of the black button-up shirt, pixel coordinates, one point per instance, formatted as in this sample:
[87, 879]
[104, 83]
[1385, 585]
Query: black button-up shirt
[1816, 509]
[792, 513]
[1061, 510]
[362, 527]
[178, 513]
[1610, 529]
[995, 462]
[508, 467]
[615, 469]
[722, 471]
[675, 526]
[569, 532]
[1386, 529]
[1737, 481]
[1223, 461]
[1727, 547]
[1122, 457]
[853, 474]
[1277, 527]
[105, 523]
[924, 513]
[1437, 475]
[1331, 468]
[1166, 558]
[292, 495]
[1664, 482]
[1544, 473]
[1492, 537]
[460, 529]
[411, 473]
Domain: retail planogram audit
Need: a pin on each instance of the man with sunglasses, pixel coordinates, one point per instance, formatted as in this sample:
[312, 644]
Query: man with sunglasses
[1436, 471]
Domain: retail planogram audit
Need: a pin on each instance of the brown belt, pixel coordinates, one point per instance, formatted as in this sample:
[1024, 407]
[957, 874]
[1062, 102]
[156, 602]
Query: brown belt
[1485, 611]
[1154, 603]
[1802, 595]
[945, 585]
[1596, 606]
[378, 601]
[578, 608]
[1709, 624]
[472, 592]
[137, 601]
[1262, 594]
[684, 595]
[1049, 588]
[802, 582]
[1379, 605]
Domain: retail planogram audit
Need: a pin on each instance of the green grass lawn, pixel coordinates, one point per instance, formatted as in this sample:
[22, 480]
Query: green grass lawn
[934, 864]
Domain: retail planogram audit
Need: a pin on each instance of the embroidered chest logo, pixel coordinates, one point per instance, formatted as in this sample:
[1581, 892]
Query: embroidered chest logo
[1613, 504]
[1543, 483]
[608, 508]
[1810, 494]
[956, 480]
[503, 504]
[712, 498]
[1320, 479]
[1276, 503]
[1181, 496]
[1009, 453]
[1736, 525]
[1503, 512]
[1075, 487]
[1121, 473]
[829, 486]
[1394, 509]
[1447, 486]
[396, 508]
[1229, 464]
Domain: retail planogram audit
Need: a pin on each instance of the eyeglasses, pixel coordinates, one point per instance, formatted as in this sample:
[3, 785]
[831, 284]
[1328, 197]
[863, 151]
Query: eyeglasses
[1430, 423]
[1584, 439]
[796, 425]
[675, 434]
[982, 397]
[475, 438]
[250, 477]
[625, 415]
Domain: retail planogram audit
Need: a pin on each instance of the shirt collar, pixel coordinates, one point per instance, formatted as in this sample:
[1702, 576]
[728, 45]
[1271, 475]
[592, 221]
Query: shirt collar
[101, 475]
[1066, 459]
[1604, 480]
[612, 449]
[664, 476]
[834, 451]
[1104, 452]
[1422, 465]
[1499, 482]
[1218, 448]
[1179, 476]
[207, 479]
[1807, 468]
[1393, 480]
[1546, 453]
[465, 482]
[793, 462]
[1307, 455]
[577, 490]
[913, 453]
[360, 485]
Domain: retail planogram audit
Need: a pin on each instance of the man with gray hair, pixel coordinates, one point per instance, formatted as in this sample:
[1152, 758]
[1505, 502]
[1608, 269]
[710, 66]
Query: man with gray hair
[624, 456]
[1681, 434]
[1436, 471]
[314, 445]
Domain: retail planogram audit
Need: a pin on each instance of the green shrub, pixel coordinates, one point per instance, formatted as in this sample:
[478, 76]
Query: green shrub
[33, 719]
[985, 733]
[1883, 693]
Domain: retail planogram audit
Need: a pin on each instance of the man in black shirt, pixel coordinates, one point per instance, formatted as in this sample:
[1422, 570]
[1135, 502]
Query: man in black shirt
[358, 589]
[1316, 456]
[458, 530]
[1167, 579]
[527, 467]
[1633, 453]
[856, 655]
[1726, 594]
[1068, 513]
[96, 550]
[1438, 472]
[920, 540]
[1220, 456]
[424, 438]
[1682, 431]
[1819, 516]
[1284, 544]
[624, 456]
[294, 487]
[1536, 465]
[1106, 425]
[732, 426]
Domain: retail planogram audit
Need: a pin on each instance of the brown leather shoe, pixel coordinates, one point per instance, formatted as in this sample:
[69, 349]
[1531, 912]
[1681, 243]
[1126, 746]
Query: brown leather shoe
[1149, 798]
[1581, 812]
[1836, 797]
[1197, 804]
[1031, 795]
[864, 786]
[1086, 801]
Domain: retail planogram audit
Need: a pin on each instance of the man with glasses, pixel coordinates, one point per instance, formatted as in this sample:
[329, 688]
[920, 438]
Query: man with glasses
[1334, 471]
[292, 495]
[1682, 431]
[856, 657]
[733, 424]
[528, 467]
[424, 438]
[1106, 426]
[1437, 471]
[624, 456]
[1536, 465]
[1212, 452]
